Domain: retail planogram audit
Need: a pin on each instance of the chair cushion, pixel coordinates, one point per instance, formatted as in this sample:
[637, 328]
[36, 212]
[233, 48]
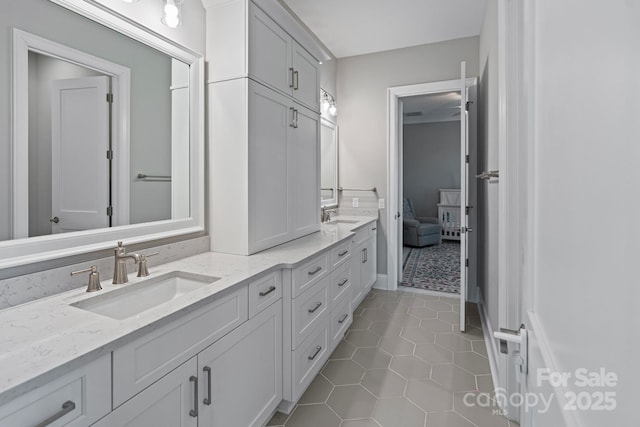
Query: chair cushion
[428, 229]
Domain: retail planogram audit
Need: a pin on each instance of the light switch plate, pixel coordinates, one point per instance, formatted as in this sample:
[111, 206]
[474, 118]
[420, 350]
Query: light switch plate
[380, 203]
[355, 202]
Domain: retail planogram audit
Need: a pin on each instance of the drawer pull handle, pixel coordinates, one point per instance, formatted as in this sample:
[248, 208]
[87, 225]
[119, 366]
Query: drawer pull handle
[343, 253]
[344, 317]
[207, 400]
[313, 356]
[265, 293]
[318, 268]
[67, 407]
[344, 282]
[194, 411]
[374, 228]
[317, 306]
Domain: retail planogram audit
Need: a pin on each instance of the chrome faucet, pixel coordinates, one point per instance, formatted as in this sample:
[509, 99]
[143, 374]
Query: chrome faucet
[325, 214]
[120, 266]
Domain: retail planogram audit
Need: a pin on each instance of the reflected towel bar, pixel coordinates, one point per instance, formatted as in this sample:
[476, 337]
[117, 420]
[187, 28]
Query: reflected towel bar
[145, 177]
[374, 189]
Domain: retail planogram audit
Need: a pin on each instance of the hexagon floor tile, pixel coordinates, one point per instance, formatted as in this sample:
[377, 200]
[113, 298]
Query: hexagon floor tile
[399, 366]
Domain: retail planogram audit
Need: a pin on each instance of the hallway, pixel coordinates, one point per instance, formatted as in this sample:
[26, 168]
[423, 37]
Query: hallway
[403, 363]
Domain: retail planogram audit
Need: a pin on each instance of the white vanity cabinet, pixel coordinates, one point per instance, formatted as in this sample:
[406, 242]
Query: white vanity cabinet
[264, 131]
[75, 399]
[364, 271]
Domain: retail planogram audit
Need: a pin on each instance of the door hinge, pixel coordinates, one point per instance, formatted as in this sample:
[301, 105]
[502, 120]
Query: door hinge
[110, 211]
[466, 106]
[109, 154]
[466, 262]
[467, 158]
[109, 98]
[466, 209]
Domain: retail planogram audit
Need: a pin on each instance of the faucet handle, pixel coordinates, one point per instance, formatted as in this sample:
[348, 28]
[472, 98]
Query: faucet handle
[143, 271]
[94, 278]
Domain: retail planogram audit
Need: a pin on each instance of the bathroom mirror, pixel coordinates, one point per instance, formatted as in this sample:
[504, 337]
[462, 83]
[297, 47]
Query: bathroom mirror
[104, 135]
[328, 163]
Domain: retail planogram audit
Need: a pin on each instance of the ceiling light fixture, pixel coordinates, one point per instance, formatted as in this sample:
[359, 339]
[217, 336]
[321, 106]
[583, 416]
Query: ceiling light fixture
[172, 13]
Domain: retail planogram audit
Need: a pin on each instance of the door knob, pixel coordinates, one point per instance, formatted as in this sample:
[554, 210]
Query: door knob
[55, 220]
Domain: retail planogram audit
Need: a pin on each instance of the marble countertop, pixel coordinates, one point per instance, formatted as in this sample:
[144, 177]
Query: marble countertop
[44, 339]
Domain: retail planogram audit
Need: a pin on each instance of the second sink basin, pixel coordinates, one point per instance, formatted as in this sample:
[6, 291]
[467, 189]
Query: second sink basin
[343, 221]
[135, 298]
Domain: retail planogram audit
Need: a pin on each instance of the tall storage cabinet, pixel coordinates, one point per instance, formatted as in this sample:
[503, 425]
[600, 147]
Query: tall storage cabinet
[264, 130]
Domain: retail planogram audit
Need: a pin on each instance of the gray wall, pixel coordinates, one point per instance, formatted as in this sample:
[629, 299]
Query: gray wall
[488, 213]
[431, 161]
[150, 97]
[362, 90]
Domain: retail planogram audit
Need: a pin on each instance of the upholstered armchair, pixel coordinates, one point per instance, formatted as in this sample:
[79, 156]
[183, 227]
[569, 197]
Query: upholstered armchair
[419, 231]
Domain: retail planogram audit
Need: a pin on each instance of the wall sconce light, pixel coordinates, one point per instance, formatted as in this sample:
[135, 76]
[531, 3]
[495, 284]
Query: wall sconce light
[130, 1]
[172, 13]
[328, 102]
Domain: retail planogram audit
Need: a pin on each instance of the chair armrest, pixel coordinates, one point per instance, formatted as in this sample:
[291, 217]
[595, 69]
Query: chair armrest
[428, 219]
[410, 222]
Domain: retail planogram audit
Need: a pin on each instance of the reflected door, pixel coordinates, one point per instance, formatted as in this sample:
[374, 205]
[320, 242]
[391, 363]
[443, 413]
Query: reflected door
[80, 181]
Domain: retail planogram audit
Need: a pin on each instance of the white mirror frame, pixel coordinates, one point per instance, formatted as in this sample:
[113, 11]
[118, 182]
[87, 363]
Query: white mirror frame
[332, 202]
[43, 248]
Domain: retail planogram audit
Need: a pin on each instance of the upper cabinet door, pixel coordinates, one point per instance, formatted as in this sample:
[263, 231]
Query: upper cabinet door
[306, 78]
[270, 50]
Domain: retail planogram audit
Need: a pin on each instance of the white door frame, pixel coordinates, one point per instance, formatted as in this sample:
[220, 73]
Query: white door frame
[394, 145]
[24, 42]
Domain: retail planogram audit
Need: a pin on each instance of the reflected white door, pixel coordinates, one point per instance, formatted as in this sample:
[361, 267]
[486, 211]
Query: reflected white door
[80, 140]
[464, 194]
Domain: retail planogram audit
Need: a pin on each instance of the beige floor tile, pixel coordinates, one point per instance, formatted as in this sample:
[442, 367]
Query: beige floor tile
[363, 338]
[418, 335]
[405, 320]
[410, 367]
[471, 332]
[369, 303]
[278, 419]
[479, 347]
[472, 362]
[383, 383]
[344, 350]
[423, 312]
[484, 383]
[360, 322]
[386, 328]
[449, 316]
[372, 358]
[360, 423]
[429, 396]
[376, 315]
[435, 325]
[446, 419]
[453, 342]
[397, 346]
[453, 378]
[433, 353]
[474, 321]
[313, 416]
[342, 372]
[479, 415]
[411, 301]
[352, 402]
[318, 391]
[394, 307]
[450, 300]
[398, 412]
[439, 306]
[472, 309]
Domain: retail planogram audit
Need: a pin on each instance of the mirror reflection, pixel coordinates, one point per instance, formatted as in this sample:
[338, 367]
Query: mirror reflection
[328, 163]
[106, 132]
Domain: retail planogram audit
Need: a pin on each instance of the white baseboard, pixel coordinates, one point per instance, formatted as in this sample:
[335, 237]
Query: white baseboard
[489, 341]
[382, 283]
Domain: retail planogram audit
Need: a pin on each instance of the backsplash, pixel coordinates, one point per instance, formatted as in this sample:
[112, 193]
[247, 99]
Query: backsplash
[30, 287]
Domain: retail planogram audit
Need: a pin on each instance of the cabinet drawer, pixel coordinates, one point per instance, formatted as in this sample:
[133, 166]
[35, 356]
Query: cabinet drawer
[264, 291]
[309, 273]
[87, 391]
[341, 284]
[309, 310]
[341, 254]
[308, 359]
[365, 232]
[341, 318]
[139, 363]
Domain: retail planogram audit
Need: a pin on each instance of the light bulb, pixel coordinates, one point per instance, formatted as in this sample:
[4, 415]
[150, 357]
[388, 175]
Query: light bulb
[171, 21]
[171, 14]
[333, 110]
[171, 10]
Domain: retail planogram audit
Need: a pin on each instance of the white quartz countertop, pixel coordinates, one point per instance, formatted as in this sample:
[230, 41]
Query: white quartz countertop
[46, 338]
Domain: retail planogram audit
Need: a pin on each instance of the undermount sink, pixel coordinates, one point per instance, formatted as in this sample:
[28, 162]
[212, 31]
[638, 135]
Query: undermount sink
[343, 221]
[134, 298]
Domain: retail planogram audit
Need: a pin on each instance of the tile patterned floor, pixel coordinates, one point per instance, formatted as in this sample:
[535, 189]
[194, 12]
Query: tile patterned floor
[403, 363]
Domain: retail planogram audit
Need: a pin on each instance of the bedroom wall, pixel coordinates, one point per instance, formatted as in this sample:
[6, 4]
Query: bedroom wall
[431, 161]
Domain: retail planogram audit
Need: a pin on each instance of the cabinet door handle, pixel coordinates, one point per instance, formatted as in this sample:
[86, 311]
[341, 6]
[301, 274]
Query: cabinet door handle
[374, 228]
[295, 120]
[194, 411]
[343, 253]
[318, 268]
[344, 282]
[291, 76]
[313, 356]
[67, 407]
[344, 317]
[296, 77]
[265, 293]
[364, 255]
[293, 117]
[316, 307]
[207, 400]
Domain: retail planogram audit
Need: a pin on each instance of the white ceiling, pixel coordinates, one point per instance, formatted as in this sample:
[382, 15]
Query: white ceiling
[356, 27]
[437, 107]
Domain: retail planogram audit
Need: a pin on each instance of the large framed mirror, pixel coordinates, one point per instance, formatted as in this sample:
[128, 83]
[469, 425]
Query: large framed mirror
[328, 164]
[107, 131]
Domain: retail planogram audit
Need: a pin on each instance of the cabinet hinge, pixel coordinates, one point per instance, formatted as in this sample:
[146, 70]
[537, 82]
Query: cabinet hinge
[466, 262]
[109, 98]
[110, 211]
[109, 154]
[467, 158]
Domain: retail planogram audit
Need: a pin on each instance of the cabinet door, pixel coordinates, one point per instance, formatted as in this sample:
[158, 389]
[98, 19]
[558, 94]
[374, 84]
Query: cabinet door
[304, 164]
[241, 375]
[356, 274]
[270, 118]
[306, 78]
[369, 273]
[168, 402]
[269, 52]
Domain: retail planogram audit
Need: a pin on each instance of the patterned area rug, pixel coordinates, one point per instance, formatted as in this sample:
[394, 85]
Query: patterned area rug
[436, 268]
